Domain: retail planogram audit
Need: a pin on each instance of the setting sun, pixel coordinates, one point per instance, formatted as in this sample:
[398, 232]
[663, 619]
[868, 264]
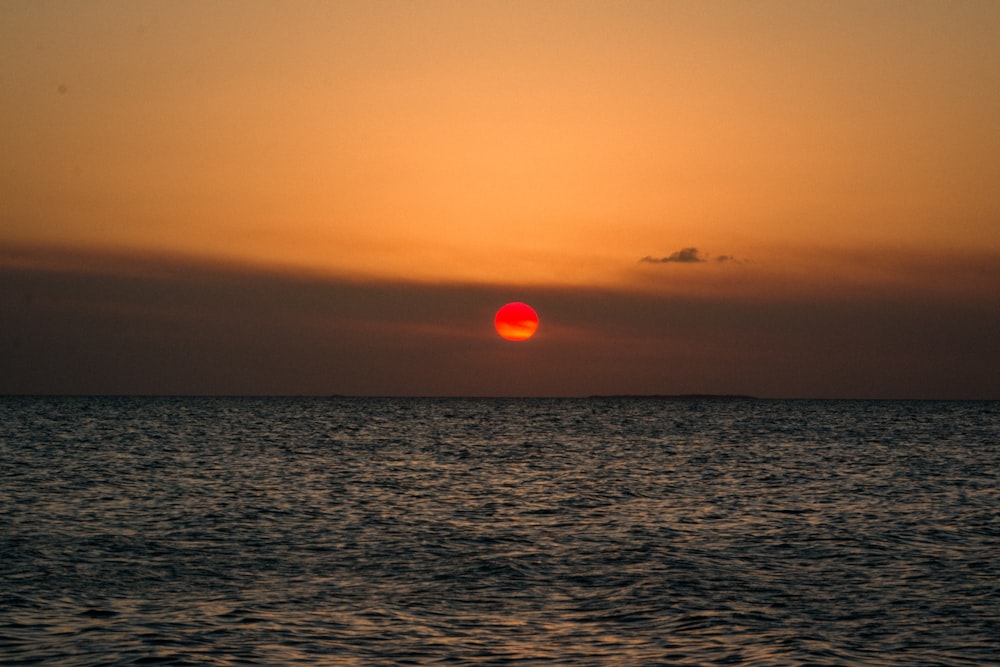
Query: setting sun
[516, 321]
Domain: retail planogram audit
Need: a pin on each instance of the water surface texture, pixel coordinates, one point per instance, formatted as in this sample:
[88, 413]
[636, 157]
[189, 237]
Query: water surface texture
[236, 531]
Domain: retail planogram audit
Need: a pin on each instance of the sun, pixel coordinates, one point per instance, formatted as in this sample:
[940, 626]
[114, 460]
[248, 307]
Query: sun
[516, 321]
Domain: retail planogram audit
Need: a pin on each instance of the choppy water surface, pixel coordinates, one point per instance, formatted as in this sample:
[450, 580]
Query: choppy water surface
[580, 532]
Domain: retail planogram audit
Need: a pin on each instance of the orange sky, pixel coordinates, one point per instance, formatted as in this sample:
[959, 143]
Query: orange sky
[807, 151]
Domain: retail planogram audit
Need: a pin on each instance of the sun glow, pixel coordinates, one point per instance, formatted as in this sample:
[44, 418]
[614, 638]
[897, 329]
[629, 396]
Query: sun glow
[516, 321]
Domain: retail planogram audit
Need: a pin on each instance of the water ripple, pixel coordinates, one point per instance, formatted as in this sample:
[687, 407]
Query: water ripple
[583, 532]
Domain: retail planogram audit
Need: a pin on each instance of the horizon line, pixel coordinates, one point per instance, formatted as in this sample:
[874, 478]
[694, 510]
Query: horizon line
[588, 397]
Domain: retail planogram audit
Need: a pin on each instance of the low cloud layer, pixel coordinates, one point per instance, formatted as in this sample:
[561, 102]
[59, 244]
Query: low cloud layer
[100, 325]
[686, 256]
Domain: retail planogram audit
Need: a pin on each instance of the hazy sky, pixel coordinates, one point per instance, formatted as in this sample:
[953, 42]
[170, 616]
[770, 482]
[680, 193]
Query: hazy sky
[773, 198]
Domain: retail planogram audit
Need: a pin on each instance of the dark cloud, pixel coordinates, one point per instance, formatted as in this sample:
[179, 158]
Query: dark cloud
[682, 256]
[688, 256]
[102, 325]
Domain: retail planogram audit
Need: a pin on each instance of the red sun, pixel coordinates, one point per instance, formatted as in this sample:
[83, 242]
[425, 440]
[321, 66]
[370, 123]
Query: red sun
[516, 321]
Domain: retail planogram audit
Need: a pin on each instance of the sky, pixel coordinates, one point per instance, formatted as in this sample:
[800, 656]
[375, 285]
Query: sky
[781, 199]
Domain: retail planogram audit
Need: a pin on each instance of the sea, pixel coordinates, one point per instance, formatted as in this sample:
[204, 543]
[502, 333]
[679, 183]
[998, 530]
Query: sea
[421, 531]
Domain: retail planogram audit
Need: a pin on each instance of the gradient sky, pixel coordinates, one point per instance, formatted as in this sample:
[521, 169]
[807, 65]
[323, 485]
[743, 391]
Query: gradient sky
[791, 199]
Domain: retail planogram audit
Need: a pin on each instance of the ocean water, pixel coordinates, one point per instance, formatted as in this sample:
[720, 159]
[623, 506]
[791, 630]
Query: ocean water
[343, 531]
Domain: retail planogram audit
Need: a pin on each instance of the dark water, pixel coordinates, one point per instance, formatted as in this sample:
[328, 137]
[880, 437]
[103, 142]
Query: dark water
[548, 532]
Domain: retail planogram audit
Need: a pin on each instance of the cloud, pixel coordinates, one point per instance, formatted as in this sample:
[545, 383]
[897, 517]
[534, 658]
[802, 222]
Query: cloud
[688, 256]
[682, 256]
[103, 324]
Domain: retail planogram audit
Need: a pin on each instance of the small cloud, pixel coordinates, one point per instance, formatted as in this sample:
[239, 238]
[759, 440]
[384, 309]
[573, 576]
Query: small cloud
[683, 256]
[689, 256]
